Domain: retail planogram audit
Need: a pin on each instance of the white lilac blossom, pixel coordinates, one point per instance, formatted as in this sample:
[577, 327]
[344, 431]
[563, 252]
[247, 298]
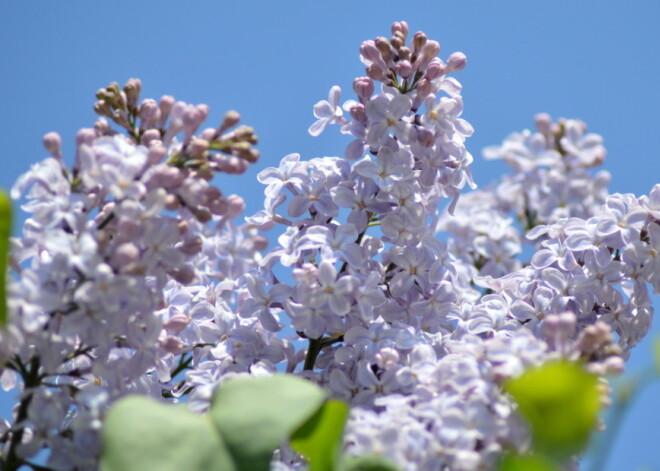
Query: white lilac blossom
[133, 273]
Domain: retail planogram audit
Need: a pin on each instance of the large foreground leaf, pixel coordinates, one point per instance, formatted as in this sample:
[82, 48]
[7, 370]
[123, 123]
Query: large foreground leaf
[561, 402]
[141, 434]
[254, 415]
[319, 439]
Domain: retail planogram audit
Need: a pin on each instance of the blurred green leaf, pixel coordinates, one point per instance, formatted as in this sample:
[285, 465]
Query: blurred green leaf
[319, 439]
[254, 415]
[656, 353]
[142, 434]
[526, 463]
[561, 402]
[5, 233]
[367, 463]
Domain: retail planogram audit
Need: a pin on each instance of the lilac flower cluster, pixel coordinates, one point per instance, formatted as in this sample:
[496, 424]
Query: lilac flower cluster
[133, 276]
[90, 321]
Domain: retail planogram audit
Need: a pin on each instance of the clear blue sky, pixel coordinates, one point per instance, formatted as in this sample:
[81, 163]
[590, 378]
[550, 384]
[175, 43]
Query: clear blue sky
[593, 60]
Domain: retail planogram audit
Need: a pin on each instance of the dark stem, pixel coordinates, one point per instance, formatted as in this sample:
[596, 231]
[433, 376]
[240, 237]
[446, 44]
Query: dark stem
[312, 352]
[31, 380]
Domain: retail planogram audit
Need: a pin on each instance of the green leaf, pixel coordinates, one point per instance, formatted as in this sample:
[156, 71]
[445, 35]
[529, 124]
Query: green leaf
[656, 353]
[142, 434]
[5, 233]
[367, 463]
[319, 439]
[526, 463]
[561, 402]
[254, 415]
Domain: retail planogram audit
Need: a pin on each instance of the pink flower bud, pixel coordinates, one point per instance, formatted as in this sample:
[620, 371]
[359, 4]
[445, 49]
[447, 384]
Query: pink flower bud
[430, 49]
[176, 323]
[543, 123]
[376, 72]
[149, 112]
[171, 344]
[364, 88]
[102, 127]
[259, 242]
[231, 119]
[125, 254]
[166, 103]
[156, 152]
[208, 134]
[358, 113]
[456, 62]
[370, 52]
[400, 27]
[403, 68]
[197, 146]
[165, 176]
[236, 206]
[53, 144]
[435, 69]
[85, 136]
[219, 206]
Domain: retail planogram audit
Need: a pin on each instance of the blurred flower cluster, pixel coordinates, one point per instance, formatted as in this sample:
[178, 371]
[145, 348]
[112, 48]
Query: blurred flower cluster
[408, 302]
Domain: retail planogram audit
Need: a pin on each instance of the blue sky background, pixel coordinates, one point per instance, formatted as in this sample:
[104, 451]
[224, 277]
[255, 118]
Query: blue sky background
[593, 60]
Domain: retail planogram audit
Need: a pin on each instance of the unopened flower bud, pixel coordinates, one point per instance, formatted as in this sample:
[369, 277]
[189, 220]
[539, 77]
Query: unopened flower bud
[219, 206]
[132, 91]
[403, 68]
[419, 39]
[197, 147]
[149, 112]
[231, 119]
[150, 136]
[165, 104]
[400, 27]
[370, 52]
[176, 323]
[430, 49]
[543, 123]
[384, 48]
[125, 254]
[456, 62]
[53, 144]
[376, 72]
[397, 42]
[435, 69]
[171, 344]
[236, 205]
[259, 242]
[359, 113]
[208, 134]
[85, 136]
[364, 88]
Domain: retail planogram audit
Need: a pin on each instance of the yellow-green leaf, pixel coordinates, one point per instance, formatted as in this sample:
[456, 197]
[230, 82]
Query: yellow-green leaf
[319, 439]
[561, 402]
[526, 463]
[5, 233]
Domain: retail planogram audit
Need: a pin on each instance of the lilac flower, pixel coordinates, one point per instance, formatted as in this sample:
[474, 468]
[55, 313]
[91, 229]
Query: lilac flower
[327, 112]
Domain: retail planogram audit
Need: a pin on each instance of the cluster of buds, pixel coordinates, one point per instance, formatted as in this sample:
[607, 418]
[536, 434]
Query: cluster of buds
[120, 105]
[214, 150]
[407, 67]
